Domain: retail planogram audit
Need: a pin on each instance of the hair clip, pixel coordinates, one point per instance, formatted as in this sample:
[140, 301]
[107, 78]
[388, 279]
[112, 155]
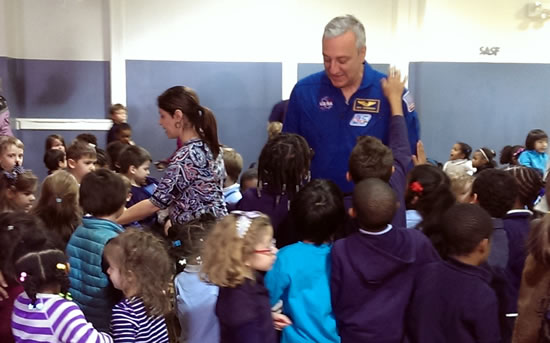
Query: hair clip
[416, 187]
[67, 295]
[10, 227]
[23, 276]
[520, 150]
[198, 259]
[38, 306]
[176, 243]
[183, 261]
[61, 266]
[201, 240]
[58, 200]
[200, 112]
[245, 220]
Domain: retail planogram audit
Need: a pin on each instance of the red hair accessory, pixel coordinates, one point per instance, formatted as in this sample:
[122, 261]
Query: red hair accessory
[416, 187]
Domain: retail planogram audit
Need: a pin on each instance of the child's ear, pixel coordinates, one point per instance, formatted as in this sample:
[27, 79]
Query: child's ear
[392, 169]
[132, 170]
[348, 176]
[10, 193]
[484, 247]
[473, 198]
[352, 212]
[71, 163]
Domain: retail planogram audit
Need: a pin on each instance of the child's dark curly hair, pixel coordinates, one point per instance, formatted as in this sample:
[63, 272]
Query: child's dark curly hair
[496, 191]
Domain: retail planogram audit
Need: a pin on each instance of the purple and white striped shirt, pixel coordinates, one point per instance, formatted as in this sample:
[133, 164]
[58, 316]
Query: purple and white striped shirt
[131, 324]
[58, 320]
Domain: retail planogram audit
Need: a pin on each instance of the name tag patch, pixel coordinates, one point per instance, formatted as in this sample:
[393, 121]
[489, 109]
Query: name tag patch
[366, 105]
[409, 101]
[360, 119]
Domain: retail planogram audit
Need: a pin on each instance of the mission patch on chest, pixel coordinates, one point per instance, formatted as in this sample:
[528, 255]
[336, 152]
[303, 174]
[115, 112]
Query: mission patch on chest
[366, 105]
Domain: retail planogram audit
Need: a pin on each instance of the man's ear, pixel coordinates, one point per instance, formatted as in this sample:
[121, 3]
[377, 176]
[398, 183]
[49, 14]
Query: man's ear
[348, 177]
[71, 163]
[352, 212]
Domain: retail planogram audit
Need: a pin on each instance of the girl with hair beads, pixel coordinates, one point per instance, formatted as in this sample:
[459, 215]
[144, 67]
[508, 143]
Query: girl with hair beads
[236, 252]
[14, 228]
[459, 160]
[11, 153]
[283, 168]
[195, 298]
[58, 205]
[56, 142]
[192, 183]
[140, 267]
[44, 311]
[509, 155]
[483, 159]
[427, 197]
[535, 155]
[318, 211]
[17, 190]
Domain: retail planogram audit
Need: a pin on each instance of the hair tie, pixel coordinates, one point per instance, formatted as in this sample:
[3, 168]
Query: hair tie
[200, 112]
[67, 295]
[182, 262]
[58, 200]
[520, 150]
[61, 266]
[176, 243]
[245, 220]
[416, 187]
[23, 276]
[10, 227]
[12, 176]
[38, 306]
[484, 154]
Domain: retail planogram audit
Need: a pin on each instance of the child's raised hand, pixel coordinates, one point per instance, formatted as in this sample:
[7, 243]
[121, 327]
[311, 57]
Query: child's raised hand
[280, 321]
[420, 157]
[392, 85]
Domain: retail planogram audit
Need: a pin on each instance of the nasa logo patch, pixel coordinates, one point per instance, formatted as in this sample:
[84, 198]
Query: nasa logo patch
[325, 103]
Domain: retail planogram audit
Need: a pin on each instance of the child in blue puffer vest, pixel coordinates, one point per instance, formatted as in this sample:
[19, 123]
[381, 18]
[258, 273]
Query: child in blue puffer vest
[102, 197]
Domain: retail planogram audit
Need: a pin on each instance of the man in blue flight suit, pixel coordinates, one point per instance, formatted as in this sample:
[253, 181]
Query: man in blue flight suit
[332, 108]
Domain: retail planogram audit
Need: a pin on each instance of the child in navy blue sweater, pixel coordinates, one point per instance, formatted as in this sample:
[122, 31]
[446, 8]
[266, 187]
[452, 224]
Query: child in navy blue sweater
[373, 270]
[453, 301]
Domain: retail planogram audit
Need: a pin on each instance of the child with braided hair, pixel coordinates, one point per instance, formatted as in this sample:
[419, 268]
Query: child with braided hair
[283, 168]
[44, 311]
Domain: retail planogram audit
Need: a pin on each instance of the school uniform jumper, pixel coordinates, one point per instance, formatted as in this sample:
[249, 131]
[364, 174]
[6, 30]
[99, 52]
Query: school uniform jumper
[245, 314]
[453, 303]
[372, 280]
[319, 112]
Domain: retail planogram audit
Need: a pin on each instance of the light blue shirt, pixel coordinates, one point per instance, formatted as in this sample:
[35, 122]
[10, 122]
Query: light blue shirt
[413, 218]
[232, 194]
[196, 305]
[533, 159]
[300, 278]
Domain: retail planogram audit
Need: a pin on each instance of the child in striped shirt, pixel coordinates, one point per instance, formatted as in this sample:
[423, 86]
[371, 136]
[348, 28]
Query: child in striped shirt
[140, 267]
[44, 312]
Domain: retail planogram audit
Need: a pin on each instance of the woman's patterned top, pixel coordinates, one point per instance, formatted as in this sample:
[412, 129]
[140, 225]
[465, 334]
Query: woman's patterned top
[192, 184]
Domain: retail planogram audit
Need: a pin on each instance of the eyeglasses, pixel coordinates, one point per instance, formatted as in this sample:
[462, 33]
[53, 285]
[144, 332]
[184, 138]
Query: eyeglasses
[272, 249]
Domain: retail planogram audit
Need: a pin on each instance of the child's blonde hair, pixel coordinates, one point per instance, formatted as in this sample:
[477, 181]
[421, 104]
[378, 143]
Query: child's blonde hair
[225, 252]
[6, 141]
[143, 258]
[274, 128]
[58, 204]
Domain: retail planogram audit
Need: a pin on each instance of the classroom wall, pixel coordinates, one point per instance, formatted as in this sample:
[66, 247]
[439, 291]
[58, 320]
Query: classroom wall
[70, 58]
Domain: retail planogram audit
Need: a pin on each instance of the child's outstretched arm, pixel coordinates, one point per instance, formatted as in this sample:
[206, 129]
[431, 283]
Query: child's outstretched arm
[72, 327]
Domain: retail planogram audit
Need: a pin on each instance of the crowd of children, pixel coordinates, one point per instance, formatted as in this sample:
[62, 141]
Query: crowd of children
[421, 253]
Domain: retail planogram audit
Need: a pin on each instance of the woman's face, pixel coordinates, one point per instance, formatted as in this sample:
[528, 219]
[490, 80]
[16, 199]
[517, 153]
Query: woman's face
[168, 123]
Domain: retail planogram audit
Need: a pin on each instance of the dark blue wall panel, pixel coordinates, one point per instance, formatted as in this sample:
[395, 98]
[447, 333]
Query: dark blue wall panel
[241, 96]
[483, 104]
[305, 69]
